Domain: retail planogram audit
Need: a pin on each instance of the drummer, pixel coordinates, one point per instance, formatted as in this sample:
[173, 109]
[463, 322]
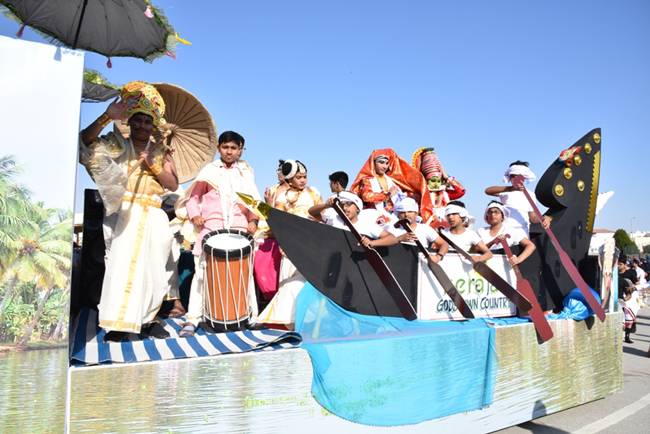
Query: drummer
[212, 203]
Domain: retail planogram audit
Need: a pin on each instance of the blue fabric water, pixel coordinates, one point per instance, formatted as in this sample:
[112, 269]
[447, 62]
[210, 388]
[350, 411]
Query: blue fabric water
[575, 306]
[389, 371]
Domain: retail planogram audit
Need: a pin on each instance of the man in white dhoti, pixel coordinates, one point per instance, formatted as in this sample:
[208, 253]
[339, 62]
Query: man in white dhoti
[131, 175]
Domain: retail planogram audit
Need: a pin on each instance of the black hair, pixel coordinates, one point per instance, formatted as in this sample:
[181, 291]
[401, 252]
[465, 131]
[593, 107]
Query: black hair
[340, 177]
[231, 136]
[286, 167]
[519, 163]
[456, 202]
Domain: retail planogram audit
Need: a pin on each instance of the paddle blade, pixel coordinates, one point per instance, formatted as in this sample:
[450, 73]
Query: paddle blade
[542, 327]
[259, 207]
[580, 282]
[497, 281]
[451, 290]
[391, 284]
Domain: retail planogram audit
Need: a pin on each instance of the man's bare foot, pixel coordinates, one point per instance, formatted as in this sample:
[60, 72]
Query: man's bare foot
[178, 310]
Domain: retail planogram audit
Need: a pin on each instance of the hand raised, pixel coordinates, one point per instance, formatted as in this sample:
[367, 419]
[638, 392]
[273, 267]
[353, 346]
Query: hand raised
[145, 156]
[117, 110]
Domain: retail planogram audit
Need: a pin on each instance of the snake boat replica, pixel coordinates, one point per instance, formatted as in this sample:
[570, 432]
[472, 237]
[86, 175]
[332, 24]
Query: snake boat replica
[390, 347]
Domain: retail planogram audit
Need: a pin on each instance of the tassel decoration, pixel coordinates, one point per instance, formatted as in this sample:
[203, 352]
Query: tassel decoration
[181, 40]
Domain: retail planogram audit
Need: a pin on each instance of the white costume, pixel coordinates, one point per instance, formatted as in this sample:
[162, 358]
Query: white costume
[135, 230]
[281, 309]
[515, 201]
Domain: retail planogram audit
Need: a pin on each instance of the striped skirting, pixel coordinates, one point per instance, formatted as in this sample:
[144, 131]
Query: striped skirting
[88, 346]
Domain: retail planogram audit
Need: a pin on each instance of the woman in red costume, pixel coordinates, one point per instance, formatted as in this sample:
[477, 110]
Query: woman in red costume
[384, 178]
[441, 188]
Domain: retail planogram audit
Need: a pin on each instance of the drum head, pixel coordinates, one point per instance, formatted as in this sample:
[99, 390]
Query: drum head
[228, 243]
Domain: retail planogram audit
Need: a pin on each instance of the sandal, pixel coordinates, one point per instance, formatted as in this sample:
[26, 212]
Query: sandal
[154, 330]
[188, 330]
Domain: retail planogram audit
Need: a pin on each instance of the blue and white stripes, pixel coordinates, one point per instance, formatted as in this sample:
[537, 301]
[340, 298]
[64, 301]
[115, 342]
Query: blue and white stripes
[89, 348]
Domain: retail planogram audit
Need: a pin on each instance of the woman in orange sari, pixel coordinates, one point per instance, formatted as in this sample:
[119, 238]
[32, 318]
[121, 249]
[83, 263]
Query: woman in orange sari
[384, 179]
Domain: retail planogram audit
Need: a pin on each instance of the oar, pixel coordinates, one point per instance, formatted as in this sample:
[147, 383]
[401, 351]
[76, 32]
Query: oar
[380, 267]
[568, 265]
[440, 274]
[491, 276]
[542, 326]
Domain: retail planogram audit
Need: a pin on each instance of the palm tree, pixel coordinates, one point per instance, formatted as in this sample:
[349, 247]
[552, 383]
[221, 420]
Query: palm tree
[43, 259]
[46, 255]
[14, 208]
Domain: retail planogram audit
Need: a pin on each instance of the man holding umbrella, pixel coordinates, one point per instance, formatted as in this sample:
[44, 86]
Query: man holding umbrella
[131, 175]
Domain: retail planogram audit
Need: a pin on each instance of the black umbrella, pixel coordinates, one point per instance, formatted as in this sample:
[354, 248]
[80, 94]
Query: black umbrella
[124, 28]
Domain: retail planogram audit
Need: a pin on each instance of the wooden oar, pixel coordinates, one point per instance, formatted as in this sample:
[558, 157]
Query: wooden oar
[566, 261]
[440, 274]
[380, 267]
[543, 328]
[491, 276]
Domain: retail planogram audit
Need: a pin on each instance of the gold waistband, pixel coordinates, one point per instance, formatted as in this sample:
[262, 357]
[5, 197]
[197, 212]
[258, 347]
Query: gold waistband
[142, 199]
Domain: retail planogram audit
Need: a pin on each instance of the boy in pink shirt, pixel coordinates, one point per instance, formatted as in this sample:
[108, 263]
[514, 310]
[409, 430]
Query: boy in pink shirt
[212, 204]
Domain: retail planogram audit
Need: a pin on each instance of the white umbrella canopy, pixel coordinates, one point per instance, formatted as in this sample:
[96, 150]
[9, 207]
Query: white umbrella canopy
[189, 131]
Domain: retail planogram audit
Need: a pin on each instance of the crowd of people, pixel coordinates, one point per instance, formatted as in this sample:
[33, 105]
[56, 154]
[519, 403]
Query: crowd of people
[132, 176]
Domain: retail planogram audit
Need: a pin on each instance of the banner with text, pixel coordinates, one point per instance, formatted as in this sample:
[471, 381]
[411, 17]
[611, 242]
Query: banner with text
[481, 296]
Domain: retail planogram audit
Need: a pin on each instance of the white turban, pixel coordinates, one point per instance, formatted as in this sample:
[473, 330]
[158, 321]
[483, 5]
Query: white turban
[456, 209]
[500, 207]
[291, 168]
[348, 196]
[519, 169]
[406, 205]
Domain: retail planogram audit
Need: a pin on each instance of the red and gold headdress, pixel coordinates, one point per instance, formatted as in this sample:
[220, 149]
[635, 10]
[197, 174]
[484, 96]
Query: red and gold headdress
[144, 98]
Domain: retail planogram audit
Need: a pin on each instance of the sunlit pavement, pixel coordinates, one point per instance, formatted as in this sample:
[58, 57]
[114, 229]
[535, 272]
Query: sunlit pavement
[624, 412]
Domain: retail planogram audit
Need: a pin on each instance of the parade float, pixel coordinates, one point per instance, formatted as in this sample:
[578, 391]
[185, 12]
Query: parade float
[375, 349]
[355, 363]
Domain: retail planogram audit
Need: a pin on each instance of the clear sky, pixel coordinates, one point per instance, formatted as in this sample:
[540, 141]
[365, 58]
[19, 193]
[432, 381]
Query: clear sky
[484, 82]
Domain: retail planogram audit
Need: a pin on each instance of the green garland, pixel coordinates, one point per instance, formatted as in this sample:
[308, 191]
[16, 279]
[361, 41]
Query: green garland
[94, 77]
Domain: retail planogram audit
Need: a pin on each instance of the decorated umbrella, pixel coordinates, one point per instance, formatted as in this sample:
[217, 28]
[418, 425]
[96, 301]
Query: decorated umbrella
[123, 28]
[189, 131]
